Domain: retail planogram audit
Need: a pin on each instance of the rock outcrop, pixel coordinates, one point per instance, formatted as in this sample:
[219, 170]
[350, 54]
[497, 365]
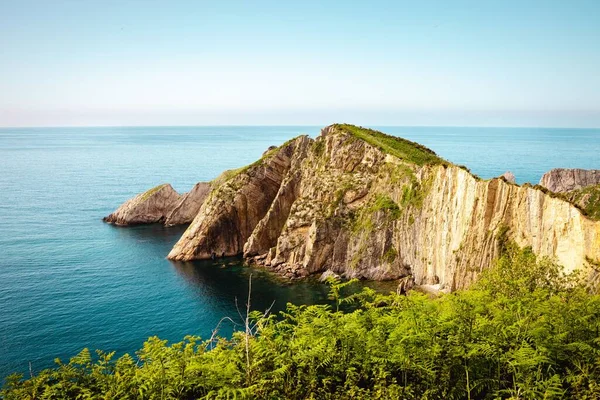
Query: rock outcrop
[587, 199]
[510, 177]
[161, 204]
[188, 205]
[233, 209]
[563, 180]
[152, 206]
[363, 204]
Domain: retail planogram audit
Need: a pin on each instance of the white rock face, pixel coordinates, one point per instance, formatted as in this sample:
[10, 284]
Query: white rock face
[341, 204]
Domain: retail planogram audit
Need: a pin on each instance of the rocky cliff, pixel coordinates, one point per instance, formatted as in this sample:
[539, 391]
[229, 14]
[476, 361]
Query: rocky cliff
[161, 204]
[149, 207]
[364, 204]
[587, 199]
[563, 180]
[188, 205]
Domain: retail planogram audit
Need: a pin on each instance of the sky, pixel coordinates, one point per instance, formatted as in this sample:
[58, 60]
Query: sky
[457, 63]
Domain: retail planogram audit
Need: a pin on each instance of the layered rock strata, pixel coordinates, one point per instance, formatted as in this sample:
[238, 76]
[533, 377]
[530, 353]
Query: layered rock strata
[188, 205]
[161, 204]
[363, 204]
[562, 180]
[233, 209]
[152, 206]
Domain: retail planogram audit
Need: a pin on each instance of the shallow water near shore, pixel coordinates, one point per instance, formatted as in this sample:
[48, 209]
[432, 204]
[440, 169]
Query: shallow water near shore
[69, 281]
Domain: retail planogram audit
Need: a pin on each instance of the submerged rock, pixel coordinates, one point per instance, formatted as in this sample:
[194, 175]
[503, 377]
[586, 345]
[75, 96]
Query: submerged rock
[562, 180]
[328, 274]
[152, 206]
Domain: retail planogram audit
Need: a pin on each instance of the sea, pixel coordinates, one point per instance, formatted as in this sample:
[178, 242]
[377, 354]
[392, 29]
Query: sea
[69, 281]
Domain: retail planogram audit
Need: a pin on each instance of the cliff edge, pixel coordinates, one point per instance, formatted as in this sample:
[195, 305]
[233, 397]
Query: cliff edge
[364, 204]
[562, 180]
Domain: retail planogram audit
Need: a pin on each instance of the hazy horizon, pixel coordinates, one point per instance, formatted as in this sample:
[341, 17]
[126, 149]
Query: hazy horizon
[194, 63]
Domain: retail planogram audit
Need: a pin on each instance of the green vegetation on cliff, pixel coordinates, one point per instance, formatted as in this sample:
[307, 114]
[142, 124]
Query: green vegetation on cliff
[587, 199]
[401, 148]
[523, 332]
[150, 192]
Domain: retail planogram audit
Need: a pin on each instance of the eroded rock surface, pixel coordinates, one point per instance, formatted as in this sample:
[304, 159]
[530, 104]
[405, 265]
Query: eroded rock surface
[362, 204]
[234, 208]
[188, 205]
[149, 207]
[562, 180]
[510, 177]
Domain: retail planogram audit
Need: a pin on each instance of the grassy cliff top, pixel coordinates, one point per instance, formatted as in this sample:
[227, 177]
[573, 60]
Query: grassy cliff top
[588, 200]
[150, 192]
[401, 148]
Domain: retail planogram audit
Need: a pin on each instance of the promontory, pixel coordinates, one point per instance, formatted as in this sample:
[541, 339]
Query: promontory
[360, 203]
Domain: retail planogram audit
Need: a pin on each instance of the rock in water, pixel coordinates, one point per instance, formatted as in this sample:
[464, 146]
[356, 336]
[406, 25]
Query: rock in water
[188, 205]
[151, 206]
[510, 177]
[328, 274]
[237, 204]
[562, 180]
[364, 204]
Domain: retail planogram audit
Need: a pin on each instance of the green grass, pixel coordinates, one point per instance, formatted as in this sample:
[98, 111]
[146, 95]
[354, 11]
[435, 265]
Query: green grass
[150, 192]
[588, 200]
[363, 221]
[390, 255]
[385, 203]
[401, 148]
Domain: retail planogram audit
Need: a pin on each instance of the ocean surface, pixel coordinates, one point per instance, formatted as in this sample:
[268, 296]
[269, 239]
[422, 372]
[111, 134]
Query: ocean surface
[69, 281]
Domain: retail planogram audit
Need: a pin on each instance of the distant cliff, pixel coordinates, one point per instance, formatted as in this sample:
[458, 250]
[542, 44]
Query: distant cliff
[563, 180]
[161, 204]
[364, 204]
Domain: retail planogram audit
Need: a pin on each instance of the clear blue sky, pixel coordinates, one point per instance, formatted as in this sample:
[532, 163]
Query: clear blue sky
[499, 63]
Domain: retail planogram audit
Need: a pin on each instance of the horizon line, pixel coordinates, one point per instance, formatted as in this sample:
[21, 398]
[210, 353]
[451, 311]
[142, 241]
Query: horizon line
[297, 125]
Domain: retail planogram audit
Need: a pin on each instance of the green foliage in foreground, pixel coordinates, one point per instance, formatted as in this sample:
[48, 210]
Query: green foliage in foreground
[524, 332]
[404, 149]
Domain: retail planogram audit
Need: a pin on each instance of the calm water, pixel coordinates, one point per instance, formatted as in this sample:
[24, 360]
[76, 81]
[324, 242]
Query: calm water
[68, 281]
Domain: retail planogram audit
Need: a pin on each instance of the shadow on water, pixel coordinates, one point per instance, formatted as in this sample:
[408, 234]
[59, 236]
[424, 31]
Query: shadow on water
[216, 286]
[153, 235]
[228, 279]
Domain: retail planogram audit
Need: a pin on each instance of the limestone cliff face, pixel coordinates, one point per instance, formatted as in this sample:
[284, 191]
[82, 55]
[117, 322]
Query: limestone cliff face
[161, 204]
[234, 208]
[563, 180]
[188, 205]
[151, 206]
[362, 204]
[587, 199]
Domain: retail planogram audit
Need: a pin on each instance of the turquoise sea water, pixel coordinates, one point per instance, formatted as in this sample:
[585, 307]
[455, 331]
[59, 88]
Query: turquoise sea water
[69, 281]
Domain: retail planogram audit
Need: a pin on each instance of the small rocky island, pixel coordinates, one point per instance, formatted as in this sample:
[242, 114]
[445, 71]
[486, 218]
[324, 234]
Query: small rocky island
[360, 203]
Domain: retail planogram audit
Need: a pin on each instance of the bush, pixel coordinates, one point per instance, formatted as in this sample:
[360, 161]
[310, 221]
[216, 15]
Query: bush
[524, 331]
